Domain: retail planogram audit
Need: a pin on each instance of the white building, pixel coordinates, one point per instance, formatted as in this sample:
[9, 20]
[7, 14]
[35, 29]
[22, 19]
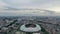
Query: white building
[30, 28]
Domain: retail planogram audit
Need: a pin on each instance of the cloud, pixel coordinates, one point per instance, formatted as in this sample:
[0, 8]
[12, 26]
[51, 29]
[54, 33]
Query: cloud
[32, 3]
[28, 12]
[51, 7]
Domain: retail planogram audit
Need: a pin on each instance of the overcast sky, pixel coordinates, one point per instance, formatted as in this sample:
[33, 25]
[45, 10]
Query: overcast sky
[52, 5]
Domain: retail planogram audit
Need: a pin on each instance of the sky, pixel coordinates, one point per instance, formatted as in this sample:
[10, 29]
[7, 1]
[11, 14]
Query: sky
[50, 5]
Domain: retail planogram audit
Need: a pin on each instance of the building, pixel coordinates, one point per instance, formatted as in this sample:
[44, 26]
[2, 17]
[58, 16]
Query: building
[30, 28]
